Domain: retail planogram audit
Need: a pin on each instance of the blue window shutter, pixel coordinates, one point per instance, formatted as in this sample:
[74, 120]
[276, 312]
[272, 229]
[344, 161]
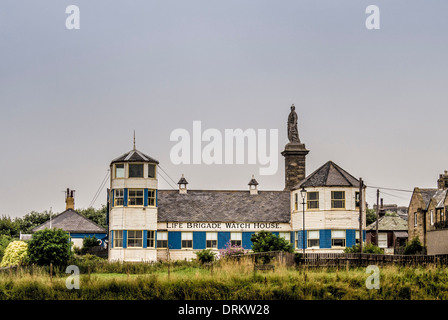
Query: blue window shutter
[174, 240]
[145, 197]
[145, 238]
[223, 239]
[125, 197]
[350, 237]
[300, 239]
[246, 242]
[292, 238]
[199, 240]
[156, 197]
[325, 239]
[125, 238]
[275, 233]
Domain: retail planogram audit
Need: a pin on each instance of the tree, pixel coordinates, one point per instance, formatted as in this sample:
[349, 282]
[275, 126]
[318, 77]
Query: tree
[49, 246]
[8, 227]
[97, 216]
[32, 220]
[370, 216]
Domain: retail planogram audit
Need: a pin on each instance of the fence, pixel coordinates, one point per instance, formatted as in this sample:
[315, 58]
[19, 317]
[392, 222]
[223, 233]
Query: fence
[365, 259]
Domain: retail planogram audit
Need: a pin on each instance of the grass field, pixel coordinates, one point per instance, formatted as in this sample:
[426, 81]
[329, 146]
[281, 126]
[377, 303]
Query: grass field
[227, 280]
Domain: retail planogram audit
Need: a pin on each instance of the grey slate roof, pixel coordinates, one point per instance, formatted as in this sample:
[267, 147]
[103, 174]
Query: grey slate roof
[389, 223]
[223, 206]
[329, 175]
[71, 221]
[134, 156]
[427, 194]
[439, 197]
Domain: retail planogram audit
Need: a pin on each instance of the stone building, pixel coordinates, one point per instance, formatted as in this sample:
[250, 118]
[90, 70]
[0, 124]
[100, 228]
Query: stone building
[427, 216]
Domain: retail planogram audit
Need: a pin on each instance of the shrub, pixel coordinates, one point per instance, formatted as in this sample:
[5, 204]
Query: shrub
[368, 248]
[206, 255]
[413, 247]
[49, 246]
[265, 241]
[15, 254]
[231, 250]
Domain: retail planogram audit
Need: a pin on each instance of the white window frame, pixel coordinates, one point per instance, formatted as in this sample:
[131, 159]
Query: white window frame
[236, 238]
[313, 233]
[335, 237]
[212, 239]
[162, 236]
[186, 240]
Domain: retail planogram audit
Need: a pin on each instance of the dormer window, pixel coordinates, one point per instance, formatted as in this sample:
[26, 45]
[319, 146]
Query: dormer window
[119, 170]
[135, 170]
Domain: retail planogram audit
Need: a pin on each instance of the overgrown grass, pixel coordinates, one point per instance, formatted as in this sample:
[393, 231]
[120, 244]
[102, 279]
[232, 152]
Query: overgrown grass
[227, 280]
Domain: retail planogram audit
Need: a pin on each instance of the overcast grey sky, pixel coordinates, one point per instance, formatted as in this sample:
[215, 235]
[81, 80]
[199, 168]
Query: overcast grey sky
[373, 101]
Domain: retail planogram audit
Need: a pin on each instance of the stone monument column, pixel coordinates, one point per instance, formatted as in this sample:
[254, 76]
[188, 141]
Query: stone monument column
[294, 153]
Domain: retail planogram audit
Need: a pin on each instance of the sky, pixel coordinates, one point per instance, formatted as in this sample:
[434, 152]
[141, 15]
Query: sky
[372, 101]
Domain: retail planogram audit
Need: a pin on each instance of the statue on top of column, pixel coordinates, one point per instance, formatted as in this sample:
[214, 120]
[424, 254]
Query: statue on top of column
[293, 132]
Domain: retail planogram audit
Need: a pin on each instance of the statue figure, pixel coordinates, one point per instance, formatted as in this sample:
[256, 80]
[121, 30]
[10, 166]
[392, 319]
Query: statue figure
[293, 132]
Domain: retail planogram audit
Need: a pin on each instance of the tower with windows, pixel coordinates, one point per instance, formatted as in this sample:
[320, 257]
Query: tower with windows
[133, 207]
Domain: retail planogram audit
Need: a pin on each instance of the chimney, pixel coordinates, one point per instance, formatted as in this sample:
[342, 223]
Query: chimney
[442, 182]
[253, 186]
[70, 199]
[381, 212]
[182, 184]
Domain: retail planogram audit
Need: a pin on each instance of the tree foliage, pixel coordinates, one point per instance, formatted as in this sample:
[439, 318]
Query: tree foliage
[97, 216]
[414, 246]
[49, 246]
[265, 241]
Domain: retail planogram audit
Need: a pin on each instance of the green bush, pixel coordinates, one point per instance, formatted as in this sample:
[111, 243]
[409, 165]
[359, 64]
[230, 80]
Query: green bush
[206, 255]
[414, 247]
[15, 254]
[49, 246]
[368, 248]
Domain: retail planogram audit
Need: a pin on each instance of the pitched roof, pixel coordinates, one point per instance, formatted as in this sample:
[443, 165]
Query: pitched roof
[71, 221]
[389, 223]
[134, 156]
[329, 175]
[223, 206]
[439, 198]
[427, 195]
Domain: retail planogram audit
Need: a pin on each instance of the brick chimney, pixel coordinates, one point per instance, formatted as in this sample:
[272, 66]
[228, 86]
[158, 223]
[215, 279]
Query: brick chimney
[70, 199]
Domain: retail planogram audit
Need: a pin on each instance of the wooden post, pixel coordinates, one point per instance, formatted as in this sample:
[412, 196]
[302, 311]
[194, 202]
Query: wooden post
[377, 215]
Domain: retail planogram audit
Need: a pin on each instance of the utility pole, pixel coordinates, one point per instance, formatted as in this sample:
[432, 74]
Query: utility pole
[377, 215]
[361, 184]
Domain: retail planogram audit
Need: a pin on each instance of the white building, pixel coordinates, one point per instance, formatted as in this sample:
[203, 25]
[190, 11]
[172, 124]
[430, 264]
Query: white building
[148, 224]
